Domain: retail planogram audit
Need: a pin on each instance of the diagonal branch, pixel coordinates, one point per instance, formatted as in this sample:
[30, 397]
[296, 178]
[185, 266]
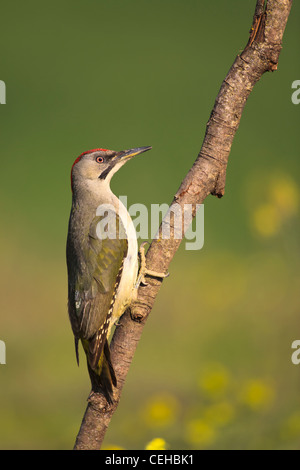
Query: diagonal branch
[207, 176]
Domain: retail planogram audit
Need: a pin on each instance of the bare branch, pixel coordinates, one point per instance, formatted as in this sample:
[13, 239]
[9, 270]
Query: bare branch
[207, 176]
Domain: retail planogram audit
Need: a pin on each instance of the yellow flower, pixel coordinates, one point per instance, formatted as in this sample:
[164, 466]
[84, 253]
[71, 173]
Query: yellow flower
[282, 202]
[200, 433]
[285, 194]
[266, 220]
[156, 444]
[257, 395]
[161, 410]
[219, 414]
[215, 380]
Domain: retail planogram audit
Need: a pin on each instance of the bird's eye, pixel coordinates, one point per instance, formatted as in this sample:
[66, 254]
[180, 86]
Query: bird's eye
[99, 159]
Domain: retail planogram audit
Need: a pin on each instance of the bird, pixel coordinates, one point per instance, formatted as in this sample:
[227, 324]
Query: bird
[102, 260]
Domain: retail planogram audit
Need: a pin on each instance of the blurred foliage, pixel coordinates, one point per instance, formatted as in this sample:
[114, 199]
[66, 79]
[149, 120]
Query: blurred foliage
[213, 369]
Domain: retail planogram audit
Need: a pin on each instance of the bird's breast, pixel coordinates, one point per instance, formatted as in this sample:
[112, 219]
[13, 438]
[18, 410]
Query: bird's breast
[130, 267]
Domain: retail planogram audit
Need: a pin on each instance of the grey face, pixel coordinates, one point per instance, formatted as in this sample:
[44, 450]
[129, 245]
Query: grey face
[101, 164]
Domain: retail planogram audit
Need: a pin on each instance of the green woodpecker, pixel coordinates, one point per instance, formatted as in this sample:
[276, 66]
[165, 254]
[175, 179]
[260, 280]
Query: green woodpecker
[102, 269]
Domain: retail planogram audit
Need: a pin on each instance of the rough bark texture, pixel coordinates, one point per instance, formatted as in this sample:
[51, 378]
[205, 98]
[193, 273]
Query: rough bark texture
[207, 176]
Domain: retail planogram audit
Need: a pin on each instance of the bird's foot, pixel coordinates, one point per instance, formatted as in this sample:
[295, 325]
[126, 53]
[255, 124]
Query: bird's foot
[144, 271]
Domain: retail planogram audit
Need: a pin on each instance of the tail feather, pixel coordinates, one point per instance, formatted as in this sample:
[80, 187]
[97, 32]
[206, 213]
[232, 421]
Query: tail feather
[76, 350]
[103, 377]
[109, 363]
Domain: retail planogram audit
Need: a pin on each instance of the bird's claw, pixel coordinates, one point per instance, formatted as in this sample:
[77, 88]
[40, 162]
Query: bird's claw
[144, 271]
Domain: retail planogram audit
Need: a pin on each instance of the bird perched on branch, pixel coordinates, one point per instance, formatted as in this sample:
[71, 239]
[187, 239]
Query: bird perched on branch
[102, 260]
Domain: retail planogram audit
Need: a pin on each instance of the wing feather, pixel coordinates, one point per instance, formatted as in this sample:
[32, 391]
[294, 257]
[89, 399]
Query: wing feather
[95, 269]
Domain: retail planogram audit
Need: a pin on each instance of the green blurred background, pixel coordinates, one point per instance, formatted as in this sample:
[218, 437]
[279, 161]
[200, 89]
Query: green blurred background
[213, 369]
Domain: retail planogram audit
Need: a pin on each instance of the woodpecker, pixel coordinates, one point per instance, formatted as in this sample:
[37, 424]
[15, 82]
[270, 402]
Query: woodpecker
[103, 274]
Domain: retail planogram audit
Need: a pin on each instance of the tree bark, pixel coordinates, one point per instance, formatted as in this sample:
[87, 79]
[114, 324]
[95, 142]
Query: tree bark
[207, 176]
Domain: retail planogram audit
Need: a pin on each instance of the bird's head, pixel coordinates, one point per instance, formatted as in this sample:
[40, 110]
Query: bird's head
[99, 165]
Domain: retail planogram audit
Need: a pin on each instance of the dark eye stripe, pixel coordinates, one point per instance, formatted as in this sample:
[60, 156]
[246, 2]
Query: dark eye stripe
[105, 172]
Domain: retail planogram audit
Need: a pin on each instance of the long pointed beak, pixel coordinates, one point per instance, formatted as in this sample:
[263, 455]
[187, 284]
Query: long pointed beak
[127, 154]
[120, 158]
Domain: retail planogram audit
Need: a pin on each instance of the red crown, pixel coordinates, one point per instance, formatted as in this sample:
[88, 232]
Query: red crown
[82, 155]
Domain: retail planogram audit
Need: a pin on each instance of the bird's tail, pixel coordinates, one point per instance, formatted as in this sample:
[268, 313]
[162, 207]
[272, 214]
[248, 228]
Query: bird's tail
[103, 376]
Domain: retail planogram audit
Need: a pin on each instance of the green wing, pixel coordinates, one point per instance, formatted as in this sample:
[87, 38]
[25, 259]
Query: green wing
[93, 280]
